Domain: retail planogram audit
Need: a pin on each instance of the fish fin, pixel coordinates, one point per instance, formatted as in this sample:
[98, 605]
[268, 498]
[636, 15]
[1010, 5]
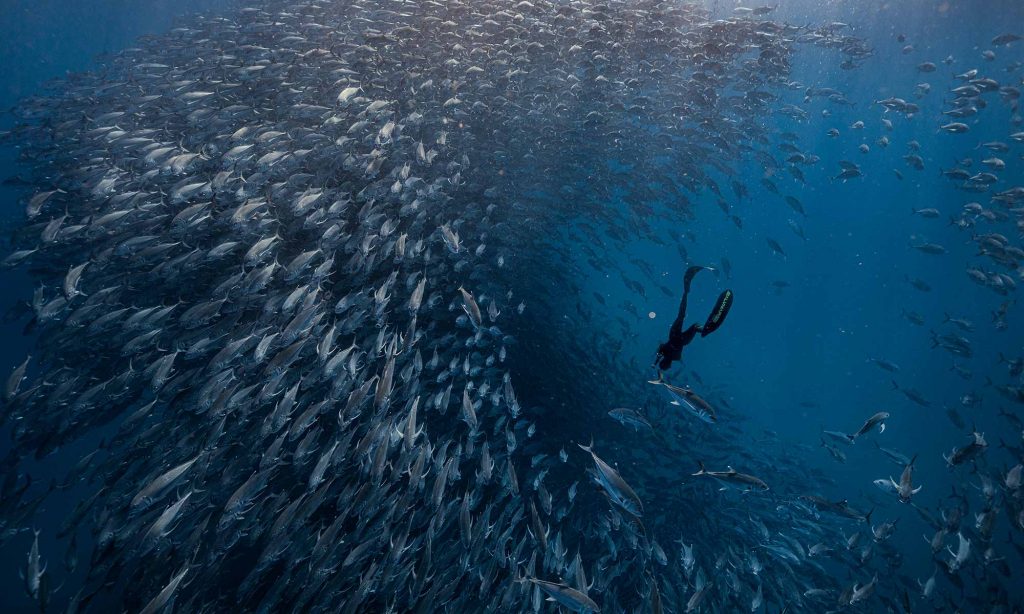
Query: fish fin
[587, 448]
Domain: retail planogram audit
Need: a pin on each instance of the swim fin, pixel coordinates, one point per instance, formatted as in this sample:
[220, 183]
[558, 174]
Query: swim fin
[722, 307]
[688, 276]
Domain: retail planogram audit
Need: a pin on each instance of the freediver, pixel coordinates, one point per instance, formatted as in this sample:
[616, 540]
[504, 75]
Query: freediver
[672, 350]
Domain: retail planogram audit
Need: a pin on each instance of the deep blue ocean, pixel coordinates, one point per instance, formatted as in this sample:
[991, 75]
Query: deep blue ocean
[793, 358]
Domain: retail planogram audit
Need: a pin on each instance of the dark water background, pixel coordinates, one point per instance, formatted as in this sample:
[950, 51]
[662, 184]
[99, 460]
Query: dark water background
[809, 343]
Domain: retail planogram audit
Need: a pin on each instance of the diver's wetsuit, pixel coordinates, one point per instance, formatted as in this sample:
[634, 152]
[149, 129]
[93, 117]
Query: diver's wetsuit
[672, 350]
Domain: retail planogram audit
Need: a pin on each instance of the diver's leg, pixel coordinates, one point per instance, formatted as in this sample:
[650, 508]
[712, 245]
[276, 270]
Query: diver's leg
[690, 333]
[677, 326]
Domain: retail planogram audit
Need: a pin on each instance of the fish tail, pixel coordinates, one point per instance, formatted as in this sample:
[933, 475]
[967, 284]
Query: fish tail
[702, 469]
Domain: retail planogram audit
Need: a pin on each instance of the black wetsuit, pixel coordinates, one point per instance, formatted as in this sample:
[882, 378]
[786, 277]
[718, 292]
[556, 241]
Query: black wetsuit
[672, 350]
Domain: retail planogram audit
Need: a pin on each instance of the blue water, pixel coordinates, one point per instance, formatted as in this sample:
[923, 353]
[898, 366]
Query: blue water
[778, 351]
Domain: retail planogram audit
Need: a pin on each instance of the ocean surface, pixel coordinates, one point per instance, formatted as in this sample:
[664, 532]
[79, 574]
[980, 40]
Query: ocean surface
[860, 303]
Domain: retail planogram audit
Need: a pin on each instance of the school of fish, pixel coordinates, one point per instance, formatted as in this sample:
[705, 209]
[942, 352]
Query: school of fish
[282, 260]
